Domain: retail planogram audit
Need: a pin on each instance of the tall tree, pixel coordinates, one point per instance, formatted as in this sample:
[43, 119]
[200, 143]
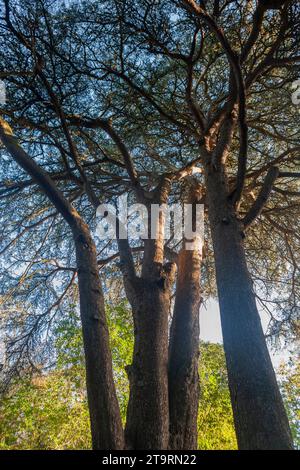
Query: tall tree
[258, 425]
[104, 410]
[175, 90]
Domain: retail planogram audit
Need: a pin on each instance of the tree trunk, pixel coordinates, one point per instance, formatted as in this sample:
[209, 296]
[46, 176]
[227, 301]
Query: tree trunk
[259, 414]
[184, 350]
[147, 424]
[106, 425]
[184, 354]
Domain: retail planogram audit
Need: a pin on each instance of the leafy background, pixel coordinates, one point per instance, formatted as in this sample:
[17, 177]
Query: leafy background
[49, 410]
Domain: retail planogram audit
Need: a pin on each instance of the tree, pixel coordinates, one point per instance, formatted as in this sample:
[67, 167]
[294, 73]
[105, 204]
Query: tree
[35, 412]
[153, 288]
[159, 114]
[35, 416]
[104, 410]
[48, 409]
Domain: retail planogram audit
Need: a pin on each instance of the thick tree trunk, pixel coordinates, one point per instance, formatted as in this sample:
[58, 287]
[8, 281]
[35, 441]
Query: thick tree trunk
[106, 425]
[184, 349]
[259, 414]
[147, 424]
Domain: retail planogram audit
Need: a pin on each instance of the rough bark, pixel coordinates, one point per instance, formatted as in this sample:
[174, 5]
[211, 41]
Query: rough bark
[106, 425]
[184, 350]
[259, 414]
[184, 354]
[147, 425]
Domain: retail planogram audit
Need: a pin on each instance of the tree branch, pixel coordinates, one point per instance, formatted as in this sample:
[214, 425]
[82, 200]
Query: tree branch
[262, 197]
[289, 174]
[256, 27]
[106, 125]
[233, 60]
[38, 174]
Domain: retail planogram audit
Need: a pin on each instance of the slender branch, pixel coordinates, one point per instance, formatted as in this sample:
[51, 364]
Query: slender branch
[56, 105]
[198, 114]
[288, 174]
[104, 261]
[269, 59]
[282, 158]
[106, 125]
[258, 17]
[15, 73]
[147, 96]
[37, 173]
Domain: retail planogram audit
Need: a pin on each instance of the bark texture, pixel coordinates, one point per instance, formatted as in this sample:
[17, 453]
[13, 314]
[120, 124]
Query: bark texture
[147, 425]
[148, 415]
[184, 349]
[259, 414]
[106, 425]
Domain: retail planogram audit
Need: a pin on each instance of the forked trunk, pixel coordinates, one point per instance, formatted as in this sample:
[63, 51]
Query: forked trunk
[259, 414]
[147, 425]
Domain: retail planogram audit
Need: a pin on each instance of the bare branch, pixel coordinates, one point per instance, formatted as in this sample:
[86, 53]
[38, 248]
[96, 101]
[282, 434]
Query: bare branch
[256, 27]
[106, 125]
[288, 174]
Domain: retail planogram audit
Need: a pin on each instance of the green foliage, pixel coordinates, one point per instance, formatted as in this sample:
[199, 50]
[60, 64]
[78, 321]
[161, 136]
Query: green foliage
[215, 420]
[47, 412]
[50, 411]
[289, 381]
[121, 341]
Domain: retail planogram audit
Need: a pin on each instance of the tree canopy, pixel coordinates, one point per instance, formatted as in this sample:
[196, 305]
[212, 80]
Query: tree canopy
[141, 98]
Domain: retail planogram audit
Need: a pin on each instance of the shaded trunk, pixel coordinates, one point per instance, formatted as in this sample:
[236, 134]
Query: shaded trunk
[184, 349]
[259, 414]
[106, 425]
[184, 354]
[147, 425]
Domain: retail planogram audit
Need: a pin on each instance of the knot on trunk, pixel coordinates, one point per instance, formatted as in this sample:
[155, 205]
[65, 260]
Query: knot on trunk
[82, 240]
[225, 221]
[167, 275]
